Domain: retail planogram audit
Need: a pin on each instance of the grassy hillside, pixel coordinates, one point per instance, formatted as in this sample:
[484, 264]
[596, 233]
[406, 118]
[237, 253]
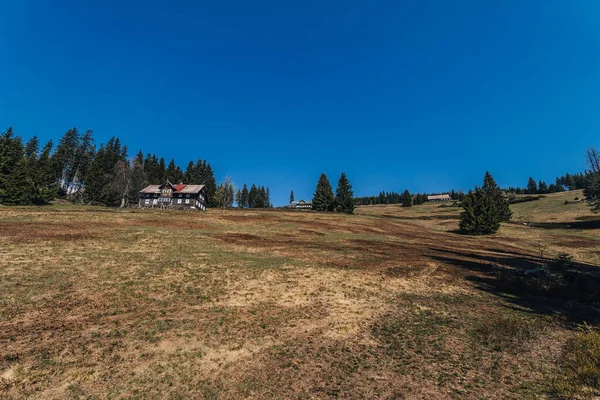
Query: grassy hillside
[387, 303]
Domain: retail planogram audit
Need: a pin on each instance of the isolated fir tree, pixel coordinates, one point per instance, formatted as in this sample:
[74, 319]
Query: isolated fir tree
[491, 188]
[291, 197]
[344, 196]
[480, 216]
[406, 199]
[531, 186]
[323, 199]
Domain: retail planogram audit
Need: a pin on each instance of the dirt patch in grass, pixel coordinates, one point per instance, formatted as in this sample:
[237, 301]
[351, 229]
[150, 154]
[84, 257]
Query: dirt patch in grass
[32, 232]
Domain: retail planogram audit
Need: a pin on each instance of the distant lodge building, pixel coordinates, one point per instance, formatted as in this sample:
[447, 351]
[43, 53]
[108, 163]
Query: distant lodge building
[301, 204]
[439, 197]
[168, 195]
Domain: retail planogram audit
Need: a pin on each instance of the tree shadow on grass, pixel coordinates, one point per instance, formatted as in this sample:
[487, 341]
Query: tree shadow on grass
[574, 295]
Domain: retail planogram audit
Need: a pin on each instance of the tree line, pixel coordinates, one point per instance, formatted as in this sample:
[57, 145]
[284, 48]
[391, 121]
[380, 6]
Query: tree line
[81, 172]
[256, 197]
[391, 198]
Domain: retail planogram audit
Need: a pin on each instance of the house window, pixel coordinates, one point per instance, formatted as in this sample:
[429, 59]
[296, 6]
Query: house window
[187, 201]
[178, 201]
[147, 201]
[187, 195]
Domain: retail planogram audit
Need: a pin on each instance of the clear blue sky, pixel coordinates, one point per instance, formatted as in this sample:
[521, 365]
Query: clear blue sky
[399, 94]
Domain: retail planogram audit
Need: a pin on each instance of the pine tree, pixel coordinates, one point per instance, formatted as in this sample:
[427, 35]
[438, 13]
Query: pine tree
[291, 197]
[245, 198]
[162, 170]
[406, 199]
[11, 154]
[138, 177]
[531, 186]
[189, 172]
[480, 216]
[268, 198]
[45, 182]
[542, 187]
[64, 159]
[344, 196]
[84, 154]
[238, 198]
[323, 199]
[491, 189]
[253, 196]
[172, 172]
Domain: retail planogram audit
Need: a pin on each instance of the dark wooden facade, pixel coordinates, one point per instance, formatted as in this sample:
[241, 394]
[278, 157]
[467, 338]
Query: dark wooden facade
[169, 195]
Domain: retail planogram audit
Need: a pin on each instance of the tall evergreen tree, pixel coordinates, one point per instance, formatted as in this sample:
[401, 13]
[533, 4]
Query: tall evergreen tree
[480, 216]
[491, 189]
[531, 186]
[323, 199]
[291, 197]
[245, 196]
[344, 196]
[238, 198]
[253, 196]
[64, 159]
[542, 187]
[162, 170]
[406, 199]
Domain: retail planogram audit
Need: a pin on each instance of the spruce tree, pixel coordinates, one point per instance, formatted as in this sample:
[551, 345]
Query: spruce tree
[542, 187]
[245, 194]
[323, 199]
[491, 188]
[291, 197]
[531, 186]
[253, 196]
[344, 196]
[480, 216]
[406, 199]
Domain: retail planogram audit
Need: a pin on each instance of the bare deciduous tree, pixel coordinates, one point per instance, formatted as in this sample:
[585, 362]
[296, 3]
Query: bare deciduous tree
[592, 159]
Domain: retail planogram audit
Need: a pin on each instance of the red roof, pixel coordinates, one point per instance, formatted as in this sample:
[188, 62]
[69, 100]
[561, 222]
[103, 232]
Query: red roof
[179, 187]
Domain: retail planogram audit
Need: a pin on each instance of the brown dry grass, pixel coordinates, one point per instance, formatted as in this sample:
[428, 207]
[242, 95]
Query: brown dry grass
[388, 303]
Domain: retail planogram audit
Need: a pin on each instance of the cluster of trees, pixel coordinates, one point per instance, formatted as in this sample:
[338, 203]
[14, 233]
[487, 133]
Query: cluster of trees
[540, 187]
[389, 198]
[81, 172]
[325, 200]
[256, 197]
[484, 208]
[27, 175]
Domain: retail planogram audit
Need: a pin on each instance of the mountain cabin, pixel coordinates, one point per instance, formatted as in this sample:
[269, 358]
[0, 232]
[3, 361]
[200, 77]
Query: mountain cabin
[167, 195]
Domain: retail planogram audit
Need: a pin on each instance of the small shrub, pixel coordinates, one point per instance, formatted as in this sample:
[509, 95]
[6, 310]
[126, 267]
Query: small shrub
[566, 201]
[579, 366]
[576, 199]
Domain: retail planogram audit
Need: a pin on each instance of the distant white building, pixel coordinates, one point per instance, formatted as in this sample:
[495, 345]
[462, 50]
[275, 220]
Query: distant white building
[439, 197]
[301, 204]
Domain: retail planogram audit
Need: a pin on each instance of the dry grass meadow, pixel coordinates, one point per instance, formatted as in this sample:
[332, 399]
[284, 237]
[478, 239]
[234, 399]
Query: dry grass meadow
[389, 303]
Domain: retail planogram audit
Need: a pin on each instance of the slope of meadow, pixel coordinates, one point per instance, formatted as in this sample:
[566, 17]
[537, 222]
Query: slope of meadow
[387, 303]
